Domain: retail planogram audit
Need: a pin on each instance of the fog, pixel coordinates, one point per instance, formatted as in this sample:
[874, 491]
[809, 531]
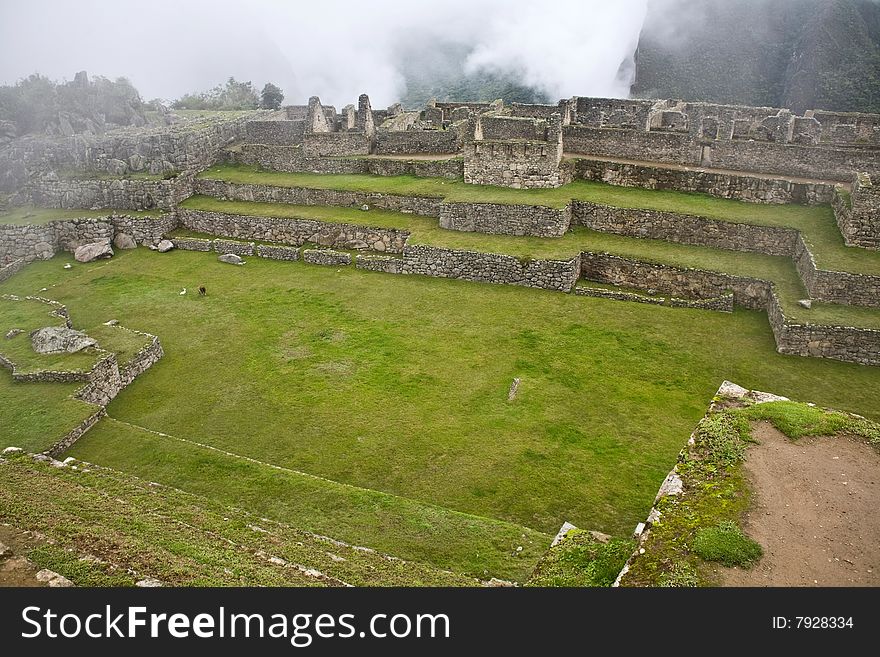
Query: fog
[331, 48]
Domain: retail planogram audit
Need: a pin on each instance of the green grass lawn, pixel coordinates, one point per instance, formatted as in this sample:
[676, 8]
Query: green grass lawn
[815, 222]
[33, 215]
[426, 230]
[399, 385]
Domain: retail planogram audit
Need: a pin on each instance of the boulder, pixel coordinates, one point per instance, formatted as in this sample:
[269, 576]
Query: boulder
[137, 162]
[124, 241]
[231, 259]
[805, 303]
[93, 251]
[59, 340]
[12, 333]
[117, 167]
[165, 246]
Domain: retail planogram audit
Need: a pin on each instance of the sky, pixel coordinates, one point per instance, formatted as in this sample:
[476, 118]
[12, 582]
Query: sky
[331, 48]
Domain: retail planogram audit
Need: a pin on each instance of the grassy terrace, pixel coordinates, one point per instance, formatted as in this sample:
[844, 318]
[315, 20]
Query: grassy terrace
[357, 377]
[426, 230]
[43, 412]
[815, 222]
[34, 215]
[179, 538]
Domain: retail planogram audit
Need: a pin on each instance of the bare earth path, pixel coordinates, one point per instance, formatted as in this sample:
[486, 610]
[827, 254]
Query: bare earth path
[814, 512]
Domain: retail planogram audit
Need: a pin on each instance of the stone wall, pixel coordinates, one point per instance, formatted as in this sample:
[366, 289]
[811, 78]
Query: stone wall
[858, 213]
[505, 219]
[675, 281]
[334, 144]
[306, 196]
[723, 303]
[672, 148]
[234, 246]
[42, 241]
[187, 146]
[753, 189]
[818, 145]
[326, 257]
[275, 132]
[76, 433]
[825, 163]
[846, 343]
[291, 158]
[684, 228]
[515, 152]
[288, 253]
[117, 194]
[295, 232]
[402, 142]
[8, 271]
[835, 286]
[558, 275]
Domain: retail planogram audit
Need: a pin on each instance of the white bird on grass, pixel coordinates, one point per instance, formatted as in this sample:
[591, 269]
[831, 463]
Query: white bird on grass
[183, 291]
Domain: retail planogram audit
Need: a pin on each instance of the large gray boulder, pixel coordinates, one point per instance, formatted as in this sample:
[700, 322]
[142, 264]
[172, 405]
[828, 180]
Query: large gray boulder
[165, 246]
[231, 259]
[93, 251]
[59, 340]
[124, 241]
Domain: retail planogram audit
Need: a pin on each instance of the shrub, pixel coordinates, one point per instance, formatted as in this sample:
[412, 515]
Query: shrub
[726, 544]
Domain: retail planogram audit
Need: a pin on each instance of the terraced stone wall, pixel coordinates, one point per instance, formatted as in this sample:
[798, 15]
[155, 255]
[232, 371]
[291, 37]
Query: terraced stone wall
[42, 241]
[295, 232]
[835, 286]
[505, 219]
[291, 158]
[482, 267]
[753, 189]
[676, 281]
[846, 343]
[684, 228]
[305, 196]
[858, 213]
[190, 146]
[119, 193]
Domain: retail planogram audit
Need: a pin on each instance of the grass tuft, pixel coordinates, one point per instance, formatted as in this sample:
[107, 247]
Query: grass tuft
[726, 543]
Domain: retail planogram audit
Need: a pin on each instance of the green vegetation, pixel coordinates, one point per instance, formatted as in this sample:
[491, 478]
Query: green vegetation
[726, 544]
[797, 420]
[404, 527]
[128, 529]
[680, 575]
[233, 95]
[82, 572]
[36, 104]
[715, 492]
[700, 525]
[815, 222]
[581, 560]
[34, 215]
[357, 377]
[426, 230]
[28, 316]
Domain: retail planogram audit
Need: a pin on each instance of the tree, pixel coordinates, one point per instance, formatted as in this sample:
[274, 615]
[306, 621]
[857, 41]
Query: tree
[271, 96]
[233, 96]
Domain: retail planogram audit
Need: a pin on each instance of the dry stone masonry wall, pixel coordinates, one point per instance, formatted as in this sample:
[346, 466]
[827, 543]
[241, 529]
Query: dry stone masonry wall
[742, 187]
[685, 229]
[295, 232]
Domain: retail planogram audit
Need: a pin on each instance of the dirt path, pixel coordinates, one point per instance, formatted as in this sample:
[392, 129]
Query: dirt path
[814, 512]
[16, 570]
